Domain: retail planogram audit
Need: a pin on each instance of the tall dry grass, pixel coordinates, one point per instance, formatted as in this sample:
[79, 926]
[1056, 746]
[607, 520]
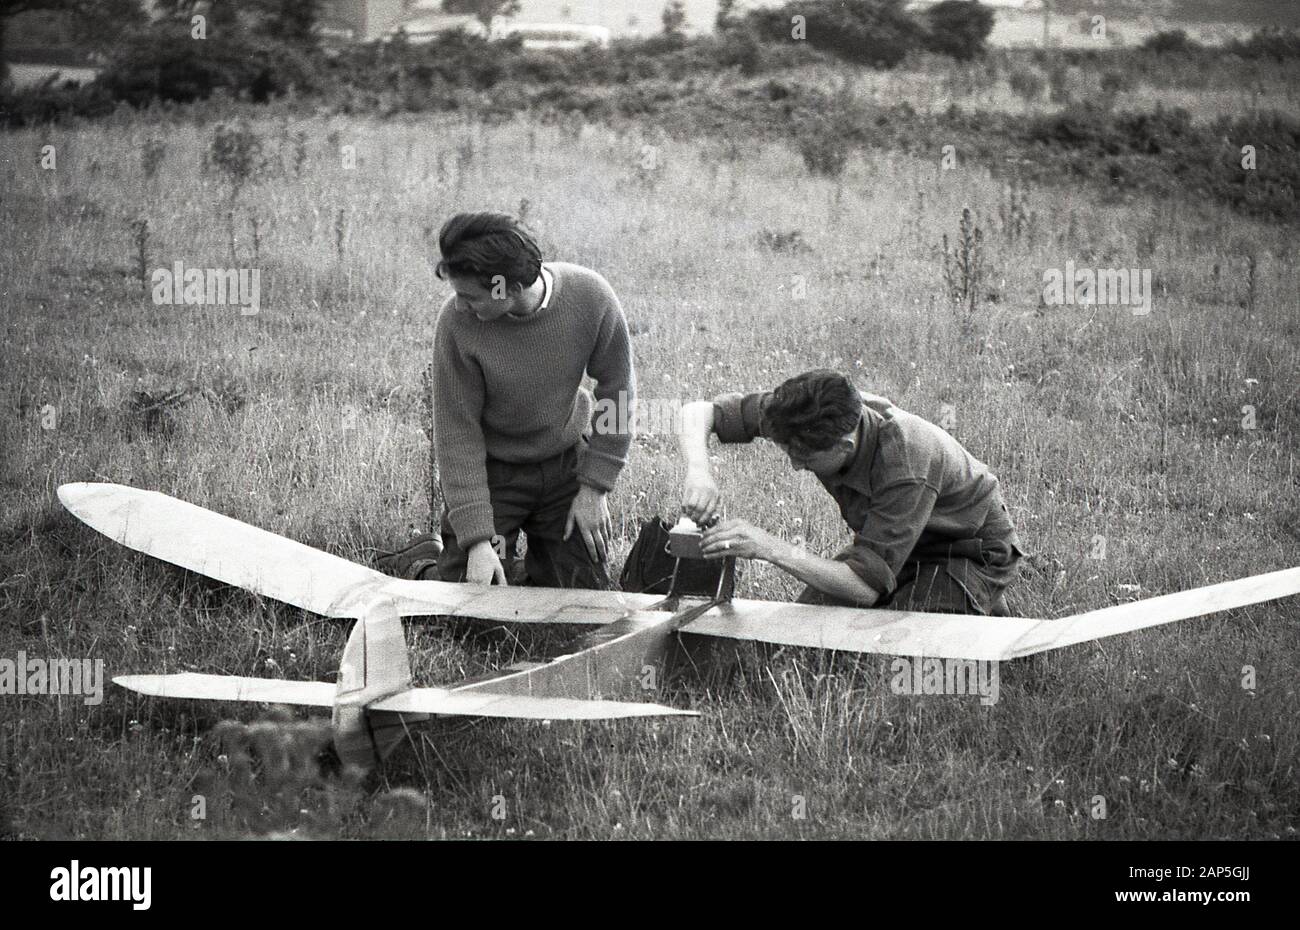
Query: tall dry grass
[306, 419]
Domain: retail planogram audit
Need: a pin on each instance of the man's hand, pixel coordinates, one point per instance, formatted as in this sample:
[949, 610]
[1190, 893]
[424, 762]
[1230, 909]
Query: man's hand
[701, 497]
[484, 566]
[739, 538]
[590, 514]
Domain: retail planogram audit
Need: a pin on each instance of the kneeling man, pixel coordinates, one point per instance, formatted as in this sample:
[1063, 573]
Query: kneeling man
[931, 531]
[514, 428]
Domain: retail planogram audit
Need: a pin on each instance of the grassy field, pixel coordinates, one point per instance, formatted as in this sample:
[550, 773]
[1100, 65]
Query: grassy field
[306, 419]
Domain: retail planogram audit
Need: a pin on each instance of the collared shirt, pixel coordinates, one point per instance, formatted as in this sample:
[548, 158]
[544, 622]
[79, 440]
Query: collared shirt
[547, 284]
[907, 488]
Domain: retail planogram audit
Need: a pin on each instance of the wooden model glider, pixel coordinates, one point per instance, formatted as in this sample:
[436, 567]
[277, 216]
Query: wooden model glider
[374, 700]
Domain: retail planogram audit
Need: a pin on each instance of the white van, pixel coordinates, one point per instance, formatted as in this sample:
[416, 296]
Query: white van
[433, 26]
[554, 36]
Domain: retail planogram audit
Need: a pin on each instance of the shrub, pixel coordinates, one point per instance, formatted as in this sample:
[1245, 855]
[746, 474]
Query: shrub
[825, 153]
[1277, 44]
[47, 103]
[1059, 82]
[1079, 126]
[1027, 84]
[823, 145]
[1156, 133]
[958, 28]
[879, 33]
[1116, 81]
[741, 48]
[1170, 42]
[455, 59]
[791, 242]
[237, 152]
[164, 64]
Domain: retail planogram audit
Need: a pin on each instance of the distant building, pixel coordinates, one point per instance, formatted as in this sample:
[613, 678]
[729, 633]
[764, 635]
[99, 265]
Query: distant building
[344, 21]
[1029, 6]
[359, 20]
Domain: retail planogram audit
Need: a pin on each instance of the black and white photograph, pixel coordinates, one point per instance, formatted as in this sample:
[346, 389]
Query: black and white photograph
[652, 420]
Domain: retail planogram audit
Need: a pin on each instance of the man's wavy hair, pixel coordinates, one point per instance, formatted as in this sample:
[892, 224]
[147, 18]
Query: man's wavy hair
[812, 410]
[484, 245]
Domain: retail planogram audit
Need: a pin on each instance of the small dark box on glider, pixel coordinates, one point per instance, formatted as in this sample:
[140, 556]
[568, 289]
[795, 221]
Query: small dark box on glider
[655, 567]
[684, 541]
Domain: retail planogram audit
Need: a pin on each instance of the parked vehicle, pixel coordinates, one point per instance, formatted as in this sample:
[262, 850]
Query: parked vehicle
[554, 36]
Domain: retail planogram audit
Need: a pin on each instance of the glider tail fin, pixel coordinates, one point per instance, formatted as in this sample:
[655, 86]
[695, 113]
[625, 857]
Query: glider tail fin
[375, 665]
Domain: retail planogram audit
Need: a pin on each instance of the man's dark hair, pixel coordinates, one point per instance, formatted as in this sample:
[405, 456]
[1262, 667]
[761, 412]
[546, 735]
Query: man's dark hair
[484, 245]
[812, 410]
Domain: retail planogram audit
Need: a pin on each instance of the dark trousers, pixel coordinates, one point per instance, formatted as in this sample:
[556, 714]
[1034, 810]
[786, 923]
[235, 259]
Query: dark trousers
[947, 577]
[534, 497]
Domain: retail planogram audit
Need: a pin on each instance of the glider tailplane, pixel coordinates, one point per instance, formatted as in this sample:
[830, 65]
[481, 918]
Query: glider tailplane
[522, 706]
[375, 665]
[230, 688]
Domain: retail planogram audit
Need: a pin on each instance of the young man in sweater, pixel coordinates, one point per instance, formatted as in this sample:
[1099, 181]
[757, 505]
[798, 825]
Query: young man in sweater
[931, 531]
[513, 424]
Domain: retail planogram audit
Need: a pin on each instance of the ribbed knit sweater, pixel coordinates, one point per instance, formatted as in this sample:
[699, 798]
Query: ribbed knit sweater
[511, 389]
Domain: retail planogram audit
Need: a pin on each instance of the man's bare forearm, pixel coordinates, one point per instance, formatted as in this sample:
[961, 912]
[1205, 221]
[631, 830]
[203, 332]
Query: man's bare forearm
[693, 435]
[700, 495]
[826, 575]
